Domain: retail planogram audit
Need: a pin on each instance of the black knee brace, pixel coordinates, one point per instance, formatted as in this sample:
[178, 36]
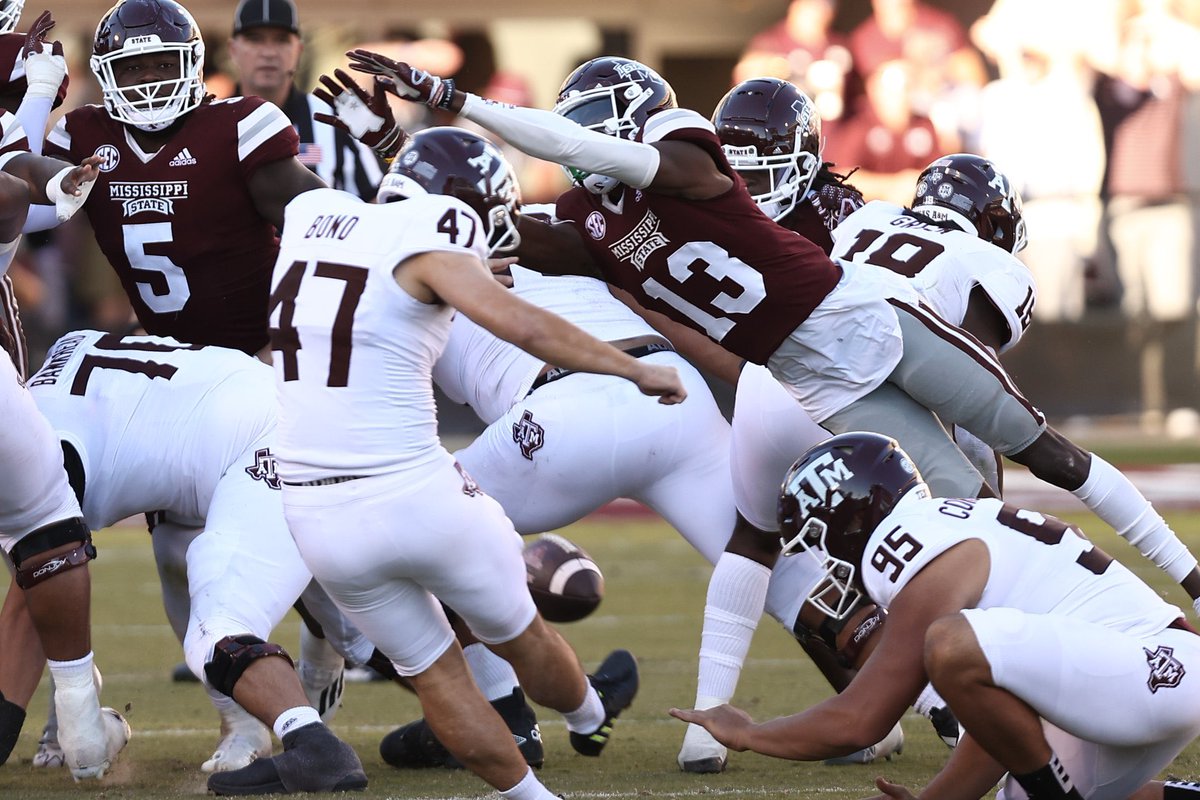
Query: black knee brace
[233, 655]
[29, 554]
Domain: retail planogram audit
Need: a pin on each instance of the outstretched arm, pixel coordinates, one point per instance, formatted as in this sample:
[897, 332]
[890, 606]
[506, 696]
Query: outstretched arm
[464, 282]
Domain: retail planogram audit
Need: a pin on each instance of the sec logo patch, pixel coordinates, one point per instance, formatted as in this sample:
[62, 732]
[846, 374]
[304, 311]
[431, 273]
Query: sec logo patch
[110, 157]
[595, 225]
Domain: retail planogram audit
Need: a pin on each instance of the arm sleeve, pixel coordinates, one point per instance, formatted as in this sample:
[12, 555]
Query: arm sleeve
[546, 135]
[41, 218]
[32, 114]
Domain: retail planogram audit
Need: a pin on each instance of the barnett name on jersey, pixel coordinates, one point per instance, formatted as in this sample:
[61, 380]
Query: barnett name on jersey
[158, 420]
[179, 225]
[944, 264]
[354, 352]
[720, 266]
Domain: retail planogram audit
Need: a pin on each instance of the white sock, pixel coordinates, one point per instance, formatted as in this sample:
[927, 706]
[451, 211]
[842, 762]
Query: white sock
[495, 676]
[589, 716]
[72, 674]
[294, 719]
[1113, 498]
[529, 788]
[737, 593]
[928, 700]
[317, 653]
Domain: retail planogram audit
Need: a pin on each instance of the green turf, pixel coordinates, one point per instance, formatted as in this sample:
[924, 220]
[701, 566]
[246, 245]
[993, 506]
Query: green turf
[655, 597]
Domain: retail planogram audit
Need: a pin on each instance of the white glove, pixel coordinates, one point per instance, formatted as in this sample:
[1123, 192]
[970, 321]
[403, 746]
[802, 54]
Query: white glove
[44, 72]
[65, 203]
[1196, 606]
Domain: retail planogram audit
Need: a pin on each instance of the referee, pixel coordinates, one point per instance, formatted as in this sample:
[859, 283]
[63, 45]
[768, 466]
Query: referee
[265, 50]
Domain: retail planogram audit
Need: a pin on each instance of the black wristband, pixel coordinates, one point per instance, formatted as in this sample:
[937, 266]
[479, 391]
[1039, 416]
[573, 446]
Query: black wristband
[447, 94]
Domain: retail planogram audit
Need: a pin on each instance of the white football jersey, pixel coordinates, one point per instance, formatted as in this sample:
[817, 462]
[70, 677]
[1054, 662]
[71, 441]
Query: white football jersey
[159, 420]
[353, 352]
[943, 265]
[1039, 564]
[490, 374]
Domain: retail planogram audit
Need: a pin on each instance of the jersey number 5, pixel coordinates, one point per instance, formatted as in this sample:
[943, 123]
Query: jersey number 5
[286, 339]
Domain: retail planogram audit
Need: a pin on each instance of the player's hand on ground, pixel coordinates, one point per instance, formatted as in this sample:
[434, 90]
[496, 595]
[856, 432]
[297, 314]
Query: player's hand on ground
[661, 382]
[366, 117]
[891, 791]
[404, 80]
[725, 722]
[500, 268]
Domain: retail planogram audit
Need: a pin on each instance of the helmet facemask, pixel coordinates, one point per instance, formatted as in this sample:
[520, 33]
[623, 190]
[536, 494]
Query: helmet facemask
[836, 594]
[156, 105]
[10, 14]
[788, 177]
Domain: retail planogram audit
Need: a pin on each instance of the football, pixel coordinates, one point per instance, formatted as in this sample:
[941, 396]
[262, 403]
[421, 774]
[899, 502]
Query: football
[565, 582]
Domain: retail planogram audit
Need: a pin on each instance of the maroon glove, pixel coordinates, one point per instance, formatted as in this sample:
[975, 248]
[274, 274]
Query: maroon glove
[367, 118]
[407, 83]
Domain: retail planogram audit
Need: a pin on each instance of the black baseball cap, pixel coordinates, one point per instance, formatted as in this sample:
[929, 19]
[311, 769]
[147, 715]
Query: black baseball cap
[266, 14]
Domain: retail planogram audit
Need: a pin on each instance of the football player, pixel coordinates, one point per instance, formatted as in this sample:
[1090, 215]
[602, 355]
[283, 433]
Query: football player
[659, 211]
[191, 189]
[362, 301]
[42, 535]
[1018, 620]
[112, 401]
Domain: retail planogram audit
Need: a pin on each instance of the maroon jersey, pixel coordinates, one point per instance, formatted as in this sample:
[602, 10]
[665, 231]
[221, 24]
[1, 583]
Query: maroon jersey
[12, 72]
[179, 225]
[720, 266]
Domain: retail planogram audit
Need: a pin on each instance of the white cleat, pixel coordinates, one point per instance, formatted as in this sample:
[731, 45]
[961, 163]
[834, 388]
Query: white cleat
[243, 740]
[892, 744]
[701, 753]
[323, 688]
[49, 755]
[83, 733]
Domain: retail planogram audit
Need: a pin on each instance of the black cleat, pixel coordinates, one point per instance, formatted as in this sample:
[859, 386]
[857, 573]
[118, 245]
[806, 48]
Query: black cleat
[313, 760]
[616, 681]
[413, 746]
[183, 674]
[946, 725]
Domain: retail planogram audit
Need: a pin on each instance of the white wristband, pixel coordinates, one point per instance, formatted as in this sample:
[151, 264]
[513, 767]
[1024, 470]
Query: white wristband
[65, 205]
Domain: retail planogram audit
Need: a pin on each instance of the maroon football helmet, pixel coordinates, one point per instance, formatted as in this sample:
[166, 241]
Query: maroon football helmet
[614, 96]
[137, 27]
[771, 134]
[462, 164]
[831, 501]
[968, 192]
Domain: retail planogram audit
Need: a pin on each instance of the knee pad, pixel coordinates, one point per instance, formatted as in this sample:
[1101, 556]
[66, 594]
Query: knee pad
[29, 555]
[233, 655]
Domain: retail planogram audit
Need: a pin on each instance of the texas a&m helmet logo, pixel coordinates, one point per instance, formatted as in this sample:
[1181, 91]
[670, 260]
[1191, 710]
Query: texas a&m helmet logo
[264, 468]
[1166, 671]
[528, 435]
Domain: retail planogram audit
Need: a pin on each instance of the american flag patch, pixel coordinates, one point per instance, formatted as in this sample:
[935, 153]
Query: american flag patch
[310, 154]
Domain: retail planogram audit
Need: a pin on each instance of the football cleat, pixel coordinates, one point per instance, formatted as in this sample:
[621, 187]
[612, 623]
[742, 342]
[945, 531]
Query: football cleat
[323, 688]
[243, 740]
[93, 736]
[313, 760]
[892, 744]
[616, 681]
[701, 753]
[946, 724]
[414, 746]
[49, 754]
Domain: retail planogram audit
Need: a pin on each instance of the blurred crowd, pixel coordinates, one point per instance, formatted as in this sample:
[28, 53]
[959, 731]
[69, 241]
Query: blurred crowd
[1090, 106]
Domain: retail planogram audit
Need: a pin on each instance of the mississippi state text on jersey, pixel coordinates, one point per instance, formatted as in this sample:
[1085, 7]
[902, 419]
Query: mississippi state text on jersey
[179, 225]
[720, 266]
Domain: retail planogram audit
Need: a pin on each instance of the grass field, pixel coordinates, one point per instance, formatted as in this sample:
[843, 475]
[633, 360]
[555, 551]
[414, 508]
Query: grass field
[655, 597]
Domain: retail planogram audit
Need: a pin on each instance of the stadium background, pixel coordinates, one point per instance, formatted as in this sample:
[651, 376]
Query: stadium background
[1082, 368]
